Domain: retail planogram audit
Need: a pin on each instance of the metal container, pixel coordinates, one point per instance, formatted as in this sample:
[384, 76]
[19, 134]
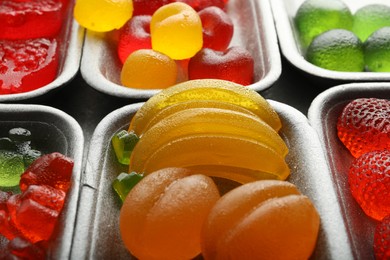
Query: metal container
[52, 131]
[97, 232]
[284, 13]
[253, 29]
[323, 114]
[70, 41]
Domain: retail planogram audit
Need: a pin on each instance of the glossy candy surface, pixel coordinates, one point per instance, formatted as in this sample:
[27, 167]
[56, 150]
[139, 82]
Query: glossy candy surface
[123, 143]
[148, 69]
[176, 30]
[235, 64]
[134, 35]
[26, 65]
[30, 18]
[163, 214]
[364, 125]
[369, 181]
[103, 15]
[217, 28]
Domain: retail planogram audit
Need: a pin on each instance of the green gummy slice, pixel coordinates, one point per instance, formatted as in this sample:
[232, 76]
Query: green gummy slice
[11, 168]
[123, 143]
[125, 182]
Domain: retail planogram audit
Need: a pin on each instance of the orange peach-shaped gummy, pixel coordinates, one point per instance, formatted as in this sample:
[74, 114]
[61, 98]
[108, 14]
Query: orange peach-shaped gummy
[163, 214]
[261, 220]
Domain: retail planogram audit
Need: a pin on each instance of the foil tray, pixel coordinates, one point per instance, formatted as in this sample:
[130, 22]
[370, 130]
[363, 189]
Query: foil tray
[284, 13]
[70, 39]
[52, 131]
[97, 232]
[253, 29]
[323, 114]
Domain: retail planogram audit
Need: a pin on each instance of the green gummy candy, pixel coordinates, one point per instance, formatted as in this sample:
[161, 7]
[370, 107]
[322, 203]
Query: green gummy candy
[123, 143]
[377, 51]
[317, 16]
[338, 50]
[125, 182]
[370, 18]
[11, 168]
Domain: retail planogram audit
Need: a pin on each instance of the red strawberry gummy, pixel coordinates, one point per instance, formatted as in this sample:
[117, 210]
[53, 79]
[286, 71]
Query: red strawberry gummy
[134, 35]
[33, 213]
[364, 125]
[148, 7]
[235, 64]
[201, 4]
[217, 28]
[369, 182]
[382, 240]
[26, 65]
[26, 19]
[52, 169]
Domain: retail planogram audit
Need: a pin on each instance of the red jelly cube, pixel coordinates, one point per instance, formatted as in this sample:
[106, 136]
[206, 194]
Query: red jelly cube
[47, 196]
[134, 35]
[217, 28]
[26, 65]
[235, 64]
[33, 220]
[52, 169]
[30, 18]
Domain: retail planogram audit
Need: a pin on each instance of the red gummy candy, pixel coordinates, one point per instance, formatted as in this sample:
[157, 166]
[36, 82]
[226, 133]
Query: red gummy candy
[148, 7]
[33, 220]
[201, 4]
[217, 28]
[24, 249]
[26, 65]
[364, 125]
[134, 35]
[235, 64]
[382, 240]
[53, 169]
[29, 19]
[369, 182]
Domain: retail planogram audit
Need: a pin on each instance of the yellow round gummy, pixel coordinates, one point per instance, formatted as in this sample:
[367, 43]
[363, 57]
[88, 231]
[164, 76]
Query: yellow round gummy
[148, 69]
[176, 30]
[103, 15]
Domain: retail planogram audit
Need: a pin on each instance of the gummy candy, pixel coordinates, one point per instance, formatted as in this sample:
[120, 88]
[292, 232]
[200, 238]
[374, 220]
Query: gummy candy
[382, 239]
[261, 220]
[134, 35]
[148, 7]
[176, 30]
[163, 214]
[53, 169]
[377, 50]
[125, 182]
[201, 4]
[369, 181]
[26, 65]
[338, 50]
[11, 168]
[318, 16]
[235, 64]
[148, 69]
[364, 125]
[30, 18]
[370, 18]
[123, 143]
[205, 89]
[103, 15]
[217, 28]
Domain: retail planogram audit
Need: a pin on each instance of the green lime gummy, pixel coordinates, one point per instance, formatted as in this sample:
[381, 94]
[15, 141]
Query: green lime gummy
[370, 18]
[377, 51]
[125, 182]
[317, 16]
[11, 168]
[123, 143]
[338, 49]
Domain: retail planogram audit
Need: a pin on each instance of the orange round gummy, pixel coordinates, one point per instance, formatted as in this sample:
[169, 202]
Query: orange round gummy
[163, 214]
[148, 69]
[261, 220]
